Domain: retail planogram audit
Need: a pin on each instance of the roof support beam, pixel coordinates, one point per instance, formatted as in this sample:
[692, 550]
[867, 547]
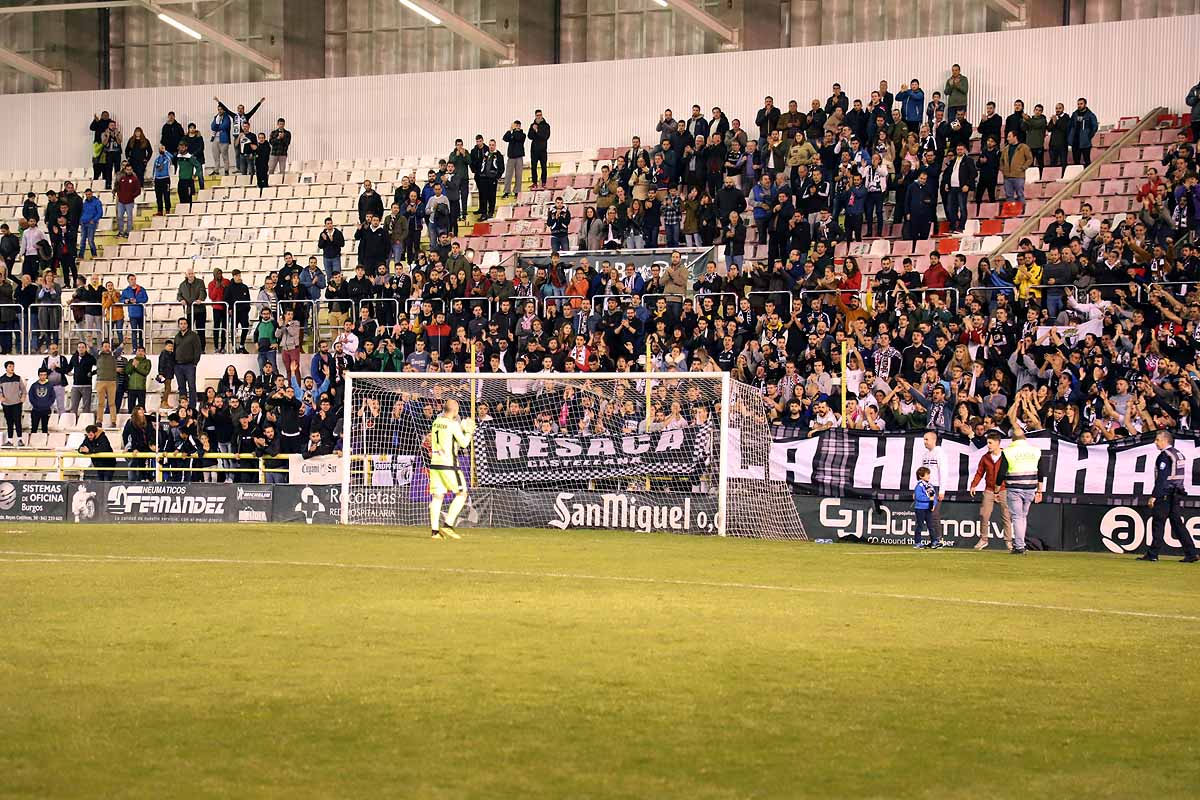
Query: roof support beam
[227, 43]
[1009, 8]
[52, 77]
[704, 20]
[463, 27]
[86, 6]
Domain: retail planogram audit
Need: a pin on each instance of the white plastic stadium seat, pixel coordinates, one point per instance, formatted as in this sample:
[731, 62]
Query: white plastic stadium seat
[1032, 174]
[1071, 173]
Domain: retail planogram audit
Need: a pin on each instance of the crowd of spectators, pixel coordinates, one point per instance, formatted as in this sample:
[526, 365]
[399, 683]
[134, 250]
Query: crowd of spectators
[1093, 332]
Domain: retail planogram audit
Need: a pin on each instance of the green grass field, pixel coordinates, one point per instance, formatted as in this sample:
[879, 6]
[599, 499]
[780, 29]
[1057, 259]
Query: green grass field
[256, 660]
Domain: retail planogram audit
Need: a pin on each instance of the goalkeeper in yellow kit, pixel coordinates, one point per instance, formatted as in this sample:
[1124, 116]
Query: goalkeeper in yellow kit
[447, 437]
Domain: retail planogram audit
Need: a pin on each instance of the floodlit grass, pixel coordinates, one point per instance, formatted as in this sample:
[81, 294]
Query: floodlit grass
[581, 665]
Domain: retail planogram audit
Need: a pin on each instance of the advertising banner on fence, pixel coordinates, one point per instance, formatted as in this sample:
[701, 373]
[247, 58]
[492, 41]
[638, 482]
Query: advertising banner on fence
[254, 503]
[312, 505]
[320, 471]
[512, 456]
[675, 513]
[839, 463]
[888, 522]
[32, 501]
[161, 503]
[1120, 529]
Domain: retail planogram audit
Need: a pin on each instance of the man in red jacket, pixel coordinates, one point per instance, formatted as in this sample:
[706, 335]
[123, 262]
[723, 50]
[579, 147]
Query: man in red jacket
[127, 190]
[993, 494]
[216, 295]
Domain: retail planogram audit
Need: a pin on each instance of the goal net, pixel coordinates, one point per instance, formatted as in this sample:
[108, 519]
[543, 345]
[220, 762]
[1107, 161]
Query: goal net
[680, 452]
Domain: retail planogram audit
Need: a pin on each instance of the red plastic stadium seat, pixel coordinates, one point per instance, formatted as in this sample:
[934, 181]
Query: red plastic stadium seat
[991, 227]
[1010, 209]
[947, 246]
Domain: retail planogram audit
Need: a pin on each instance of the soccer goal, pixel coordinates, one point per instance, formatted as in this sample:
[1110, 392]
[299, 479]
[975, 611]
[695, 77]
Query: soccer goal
[683, 452]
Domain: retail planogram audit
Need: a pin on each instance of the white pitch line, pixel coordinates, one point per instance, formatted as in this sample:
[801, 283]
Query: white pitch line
[92, 558]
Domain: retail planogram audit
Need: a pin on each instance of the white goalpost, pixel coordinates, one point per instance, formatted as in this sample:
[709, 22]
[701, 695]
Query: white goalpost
[683, 452]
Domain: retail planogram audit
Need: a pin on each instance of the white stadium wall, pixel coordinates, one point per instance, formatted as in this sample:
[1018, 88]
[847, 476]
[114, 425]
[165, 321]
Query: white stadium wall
[1124, 68]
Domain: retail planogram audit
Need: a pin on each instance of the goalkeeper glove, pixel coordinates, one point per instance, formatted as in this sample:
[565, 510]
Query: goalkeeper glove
[468, 426]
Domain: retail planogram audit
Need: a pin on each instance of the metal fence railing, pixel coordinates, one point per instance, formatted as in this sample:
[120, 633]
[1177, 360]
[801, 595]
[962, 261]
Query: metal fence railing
[150, 466]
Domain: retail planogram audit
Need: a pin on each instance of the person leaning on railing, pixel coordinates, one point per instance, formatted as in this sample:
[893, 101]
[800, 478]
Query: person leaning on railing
[138, 437]
[95, 443]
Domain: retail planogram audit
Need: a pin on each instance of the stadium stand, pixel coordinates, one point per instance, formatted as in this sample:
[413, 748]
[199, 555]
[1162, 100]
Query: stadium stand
[1087, 320]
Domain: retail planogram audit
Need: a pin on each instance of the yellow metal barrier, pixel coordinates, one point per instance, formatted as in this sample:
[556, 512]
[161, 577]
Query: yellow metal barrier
[152, 461]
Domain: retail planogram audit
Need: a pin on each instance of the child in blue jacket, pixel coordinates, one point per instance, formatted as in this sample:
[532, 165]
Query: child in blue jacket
[924, 501]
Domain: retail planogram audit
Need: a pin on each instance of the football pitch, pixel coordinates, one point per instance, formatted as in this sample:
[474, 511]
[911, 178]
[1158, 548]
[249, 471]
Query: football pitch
[292, 661]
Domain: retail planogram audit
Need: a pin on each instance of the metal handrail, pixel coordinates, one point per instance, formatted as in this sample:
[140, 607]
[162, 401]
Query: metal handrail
[20, 345]
[699, 298]
[36, 333]
[63, 468]
[925, 290]
[602, 300]
[310, 323]
[556, 297]
[408, 304]
[769, 294]
[518, 301]
[372, 302]
[669, 295]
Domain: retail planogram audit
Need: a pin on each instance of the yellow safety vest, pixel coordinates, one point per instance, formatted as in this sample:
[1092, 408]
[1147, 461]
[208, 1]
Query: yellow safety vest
[1022, 458]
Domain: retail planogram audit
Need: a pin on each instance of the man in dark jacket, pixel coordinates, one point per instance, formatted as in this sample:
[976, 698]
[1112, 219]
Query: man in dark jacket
[958, 180]
[490, 170]
[330, 242]
[767, 121]
[1080, 132]
[1193, 101]
[10, 246]
[539, 136]
[373, 243]
[188, 348]
[172, 135]
[920, 201]
[729, 199]
[515, 138]
[1058, 125]
[95, 443]
[195, 148]
[359, 288]
[990, 123]
[779, 226]
[281, 140]
[237, 295]
[369, 202]
[1015, 121]
[81, 367]
[475, 159]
